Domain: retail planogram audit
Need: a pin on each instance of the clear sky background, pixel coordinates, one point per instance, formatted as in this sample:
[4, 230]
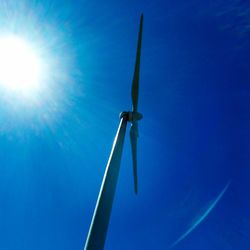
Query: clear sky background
[194, 138]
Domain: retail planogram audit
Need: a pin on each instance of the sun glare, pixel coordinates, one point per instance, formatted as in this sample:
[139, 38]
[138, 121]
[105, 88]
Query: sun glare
[20, 67]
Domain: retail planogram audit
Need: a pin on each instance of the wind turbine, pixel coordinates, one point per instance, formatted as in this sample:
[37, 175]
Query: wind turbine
[100, 221]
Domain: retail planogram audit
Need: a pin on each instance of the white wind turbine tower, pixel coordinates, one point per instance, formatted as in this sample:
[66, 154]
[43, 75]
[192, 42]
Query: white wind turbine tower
[100, 221]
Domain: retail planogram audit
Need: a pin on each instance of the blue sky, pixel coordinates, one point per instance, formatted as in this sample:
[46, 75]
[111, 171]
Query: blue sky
[194, 137]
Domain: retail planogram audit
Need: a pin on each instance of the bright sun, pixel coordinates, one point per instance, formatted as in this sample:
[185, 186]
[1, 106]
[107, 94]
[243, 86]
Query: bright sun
[20, 67]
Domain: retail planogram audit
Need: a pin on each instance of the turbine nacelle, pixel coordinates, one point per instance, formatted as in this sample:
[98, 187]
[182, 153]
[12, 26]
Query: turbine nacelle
[131, 116]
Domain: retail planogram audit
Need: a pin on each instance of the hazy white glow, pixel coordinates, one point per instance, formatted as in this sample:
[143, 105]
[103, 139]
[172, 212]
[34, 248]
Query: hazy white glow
[20, 67]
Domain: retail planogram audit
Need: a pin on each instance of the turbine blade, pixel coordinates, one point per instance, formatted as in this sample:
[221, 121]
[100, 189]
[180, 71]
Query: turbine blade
[133, 139]
[135, 83]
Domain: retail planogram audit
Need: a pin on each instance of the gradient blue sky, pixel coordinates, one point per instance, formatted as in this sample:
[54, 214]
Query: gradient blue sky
[194, 138]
